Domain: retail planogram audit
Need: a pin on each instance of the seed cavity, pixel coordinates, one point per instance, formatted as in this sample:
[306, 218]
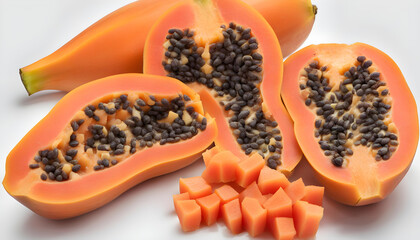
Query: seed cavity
[108, 131]
[232, 69]
[354, 112]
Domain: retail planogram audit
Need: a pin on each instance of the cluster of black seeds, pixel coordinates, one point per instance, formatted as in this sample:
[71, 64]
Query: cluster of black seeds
[335, 124]
[235, 77]
[51, 165]
[145, 127]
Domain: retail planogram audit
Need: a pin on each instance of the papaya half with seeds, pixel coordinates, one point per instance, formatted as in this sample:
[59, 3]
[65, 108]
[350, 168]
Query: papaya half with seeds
[114, 44]
[102, 139]
[355, 119]
[229, 54]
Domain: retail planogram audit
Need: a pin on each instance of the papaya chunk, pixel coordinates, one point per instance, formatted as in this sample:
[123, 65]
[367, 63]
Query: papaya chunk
[189, 215]
[209, 154]
[313, 195]
[239, 88]
[270, 180]
[232, 215]
[359, 130]
[103, 138]
[254, 216]
[284, 228]
[252, 191]
[179, 197]
[226, 193]
[248, 170]
[195, 186]
[221, 168]
[295, 190]
[306, 218]
[210, 206]
[278, 205]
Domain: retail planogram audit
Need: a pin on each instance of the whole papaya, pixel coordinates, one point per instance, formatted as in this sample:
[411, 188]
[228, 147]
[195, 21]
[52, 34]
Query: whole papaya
[115, 43]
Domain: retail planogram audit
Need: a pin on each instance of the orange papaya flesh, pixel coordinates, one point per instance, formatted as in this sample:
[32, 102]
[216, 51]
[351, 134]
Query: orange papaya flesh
[115, 43]
[226, 193]
[189, 215]
[252, 191]
[196, 187]
[360, 131]
[283, 229]
[292, 206]
[179, 197]
[254, 216]
[295, 190]
[278, 205]
[313, 195]
[209, 154]
[221, 168]
[306, 218]
[210, 207]
[234, 62]
[232, 216]
[269, 180]
[65, 167]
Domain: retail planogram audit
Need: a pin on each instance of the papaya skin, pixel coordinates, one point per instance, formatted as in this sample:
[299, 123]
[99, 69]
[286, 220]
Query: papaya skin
[270, 86]
[114, 44]
[59, 200]
[340, 183]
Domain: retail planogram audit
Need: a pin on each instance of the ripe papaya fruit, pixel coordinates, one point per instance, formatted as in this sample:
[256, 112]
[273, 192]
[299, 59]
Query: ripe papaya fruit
[355, 119]
[103, 138]
[229, 54]
[114, 44]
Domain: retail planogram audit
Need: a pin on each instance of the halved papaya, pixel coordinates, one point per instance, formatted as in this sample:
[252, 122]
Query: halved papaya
[355, 119]
[102, 139]
[115, 43]
[229, 54]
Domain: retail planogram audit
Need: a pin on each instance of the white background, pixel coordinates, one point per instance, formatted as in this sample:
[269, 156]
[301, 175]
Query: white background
[29, 30]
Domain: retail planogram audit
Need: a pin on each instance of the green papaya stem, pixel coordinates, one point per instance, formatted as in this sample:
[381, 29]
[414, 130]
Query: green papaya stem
[31, 82]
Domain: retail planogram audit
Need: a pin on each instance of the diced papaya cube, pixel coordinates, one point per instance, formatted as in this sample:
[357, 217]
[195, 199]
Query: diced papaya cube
[210, 206]
[279, 205]
[178, 197]
[252, 191]
[295, 190]
[270, 180]
[229, 165]
[283, 228]
[189, 215]
[306, 218]
[221, 168]
[249, 169]
[254, 216]
[226, 193]
[212, 172]
[209, 154]
[196, 187]
[313, 195]
[232, 216]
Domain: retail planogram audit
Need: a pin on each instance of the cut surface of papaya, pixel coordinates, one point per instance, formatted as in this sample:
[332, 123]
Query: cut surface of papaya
[355, 119]
[103, 138]
[229, 54]
[115, 43]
